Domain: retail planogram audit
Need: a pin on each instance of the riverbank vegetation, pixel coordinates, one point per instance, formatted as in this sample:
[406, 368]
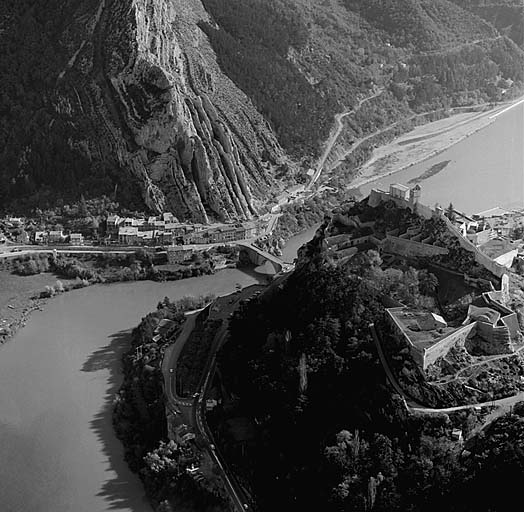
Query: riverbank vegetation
[110, 268]
[139, 419]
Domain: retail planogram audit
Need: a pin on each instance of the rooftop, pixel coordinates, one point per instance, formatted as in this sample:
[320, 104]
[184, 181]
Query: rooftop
[423, 329]
[399, 186]
[497, 247]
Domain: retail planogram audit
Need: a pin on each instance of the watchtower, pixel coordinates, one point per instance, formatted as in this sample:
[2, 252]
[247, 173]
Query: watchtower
[414, 194]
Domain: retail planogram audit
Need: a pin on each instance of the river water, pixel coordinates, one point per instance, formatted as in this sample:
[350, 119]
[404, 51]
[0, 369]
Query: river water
[58, 377]
[484, 171]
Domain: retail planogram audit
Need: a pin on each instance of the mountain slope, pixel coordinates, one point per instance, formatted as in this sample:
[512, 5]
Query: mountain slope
[201, 107]
[506, 15]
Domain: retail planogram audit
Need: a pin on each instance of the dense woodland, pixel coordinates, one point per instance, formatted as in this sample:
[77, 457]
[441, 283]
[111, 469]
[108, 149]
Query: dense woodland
[330, 434]
[417, 49]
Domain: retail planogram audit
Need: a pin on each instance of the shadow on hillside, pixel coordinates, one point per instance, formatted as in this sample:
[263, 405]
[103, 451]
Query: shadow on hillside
[123, 490]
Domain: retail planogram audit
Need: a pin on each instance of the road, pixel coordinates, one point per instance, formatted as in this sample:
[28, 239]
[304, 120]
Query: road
[194, 410]
[362, 140]
[413, 406]
[333, 138]
[13, 251]
[457, 47]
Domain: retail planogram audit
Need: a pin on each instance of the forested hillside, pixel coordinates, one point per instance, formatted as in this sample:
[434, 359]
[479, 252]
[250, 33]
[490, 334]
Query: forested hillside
[507, 16]
[330, 433]
[429, 53]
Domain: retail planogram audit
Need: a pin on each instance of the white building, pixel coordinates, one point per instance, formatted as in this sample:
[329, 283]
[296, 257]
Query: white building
[399, 191]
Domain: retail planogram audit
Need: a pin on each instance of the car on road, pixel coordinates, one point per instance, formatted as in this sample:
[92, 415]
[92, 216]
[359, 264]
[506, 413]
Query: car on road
[171, 370]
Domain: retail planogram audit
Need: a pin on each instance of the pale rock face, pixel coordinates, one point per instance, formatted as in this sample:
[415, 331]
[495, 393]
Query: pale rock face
[153, 100]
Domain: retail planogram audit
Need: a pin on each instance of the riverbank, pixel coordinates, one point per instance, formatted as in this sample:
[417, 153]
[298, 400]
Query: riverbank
[19, 297]
[58, 380]
[425, 142]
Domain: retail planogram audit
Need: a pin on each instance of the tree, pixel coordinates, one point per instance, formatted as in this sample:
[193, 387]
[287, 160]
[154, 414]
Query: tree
[428, 282]
[450, 212]
[82, 207]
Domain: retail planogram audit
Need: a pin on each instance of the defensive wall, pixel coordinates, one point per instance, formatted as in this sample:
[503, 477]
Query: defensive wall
[406, 247]
[377, 196]
[442, 347]
[427, 356]
[492, 339]
[481, 258]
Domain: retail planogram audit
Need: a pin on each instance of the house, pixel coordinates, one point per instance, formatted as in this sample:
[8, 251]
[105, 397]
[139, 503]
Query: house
[15, 221]
[177, 254]
[399, 191]
[112, 224]
[55, 237]
[40, 237]
[128, 235]
[164, 238]
[477, 232]
[176, 229]
[168, 217]
[250, 229]
[76, 239]
[456, 434]
[146, 237]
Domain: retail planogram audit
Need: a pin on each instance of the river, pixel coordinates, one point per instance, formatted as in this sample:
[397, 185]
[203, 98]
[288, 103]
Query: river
[483, 171]
[289, 252]
[58, 377]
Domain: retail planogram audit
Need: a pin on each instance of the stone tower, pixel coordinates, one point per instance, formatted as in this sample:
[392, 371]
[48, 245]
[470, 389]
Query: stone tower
[414, 194]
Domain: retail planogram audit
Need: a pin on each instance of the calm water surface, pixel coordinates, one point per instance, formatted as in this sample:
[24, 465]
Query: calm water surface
[485, 170]
[58, 376]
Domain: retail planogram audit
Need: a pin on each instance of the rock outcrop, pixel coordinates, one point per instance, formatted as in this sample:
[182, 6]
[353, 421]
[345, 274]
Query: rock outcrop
[142, 93]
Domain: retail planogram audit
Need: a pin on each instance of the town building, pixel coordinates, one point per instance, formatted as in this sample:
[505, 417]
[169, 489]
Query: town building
[55, 237]
[40, 237]
[113, 222]
[76, 239]
[178, 254]
[128, 235]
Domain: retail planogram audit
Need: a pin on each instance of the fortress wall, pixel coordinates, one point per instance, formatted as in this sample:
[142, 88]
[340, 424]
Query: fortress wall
[416, 354]
[405, 247]
[441, 348]
[494, 340]
[480, 257]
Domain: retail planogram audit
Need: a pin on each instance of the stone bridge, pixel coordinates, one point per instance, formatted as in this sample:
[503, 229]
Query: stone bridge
[266, 262]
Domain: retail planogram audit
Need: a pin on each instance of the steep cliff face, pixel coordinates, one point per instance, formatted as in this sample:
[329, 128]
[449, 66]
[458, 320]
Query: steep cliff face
[141, 94]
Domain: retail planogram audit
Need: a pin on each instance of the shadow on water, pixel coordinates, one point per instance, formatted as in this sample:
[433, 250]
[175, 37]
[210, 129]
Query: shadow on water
[123, 491]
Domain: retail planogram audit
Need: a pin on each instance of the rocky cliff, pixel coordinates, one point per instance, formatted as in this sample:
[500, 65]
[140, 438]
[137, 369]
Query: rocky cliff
[139, 93]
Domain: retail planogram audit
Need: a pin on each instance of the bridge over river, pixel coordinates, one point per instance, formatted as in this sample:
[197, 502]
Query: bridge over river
[266, 263]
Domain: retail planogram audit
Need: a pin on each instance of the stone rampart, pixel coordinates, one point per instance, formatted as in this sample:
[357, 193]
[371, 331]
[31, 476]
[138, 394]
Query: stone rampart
[406, 247]
[483, 260]
[442, 347]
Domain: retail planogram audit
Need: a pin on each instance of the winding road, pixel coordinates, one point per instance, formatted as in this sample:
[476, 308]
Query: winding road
[333, 138]
[193, 410]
